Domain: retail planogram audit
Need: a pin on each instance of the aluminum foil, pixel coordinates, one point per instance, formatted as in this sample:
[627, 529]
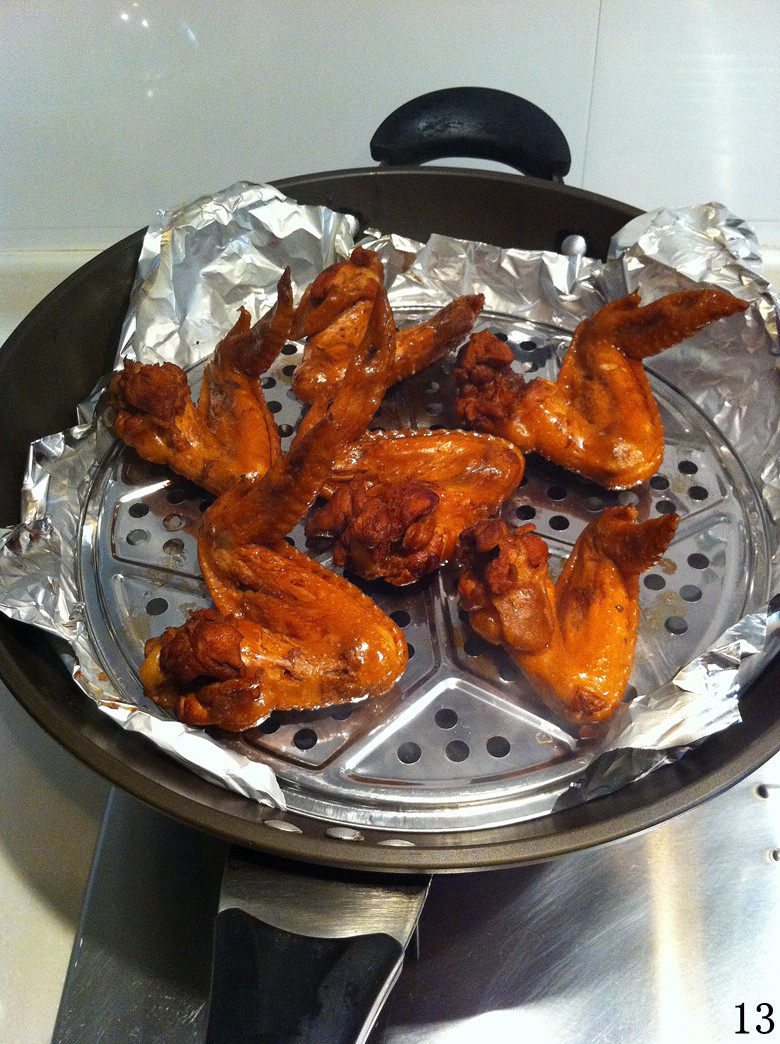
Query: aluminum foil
[730, 370]
[201, 261]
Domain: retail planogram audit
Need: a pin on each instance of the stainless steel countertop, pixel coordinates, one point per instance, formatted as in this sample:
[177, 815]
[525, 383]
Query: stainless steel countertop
[654, 938]
[657, 937]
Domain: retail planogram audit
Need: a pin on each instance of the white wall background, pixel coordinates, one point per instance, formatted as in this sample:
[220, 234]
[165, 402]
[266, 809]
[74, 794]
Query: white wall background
[112, 108]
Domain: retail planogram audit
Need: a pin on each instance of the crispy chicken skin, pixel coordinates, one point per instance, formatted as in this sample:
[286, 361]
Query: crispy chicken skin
[231, 432]
[425, 343]
[400, 499]
[574, 639]
[286, 633]
[599, 417]
[333, 313]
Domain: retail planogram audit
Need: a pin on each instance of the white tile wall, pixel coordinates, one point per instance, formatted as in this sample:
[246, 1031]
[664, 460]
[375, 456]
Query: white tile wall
[686, 106]
[111, 108]
[116, 107]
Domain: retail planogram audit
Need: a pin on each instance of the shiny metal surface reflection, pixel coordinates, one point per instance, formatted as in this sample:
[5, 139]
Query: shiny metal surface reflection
[654, 938]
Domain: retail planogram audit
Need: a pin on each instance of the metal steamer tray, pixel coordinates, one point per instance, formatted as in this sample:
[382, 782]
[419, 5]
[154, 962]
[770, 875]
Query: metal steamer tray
[459, 743]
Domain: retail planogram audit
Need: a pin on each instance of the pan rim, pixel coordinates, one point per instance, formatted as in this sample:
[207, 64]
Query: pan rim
[480, 854]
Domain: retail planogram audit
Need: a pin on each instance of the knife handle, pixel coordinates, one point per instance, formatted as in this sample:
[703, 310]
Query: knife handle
[277, 987]
[479, 122]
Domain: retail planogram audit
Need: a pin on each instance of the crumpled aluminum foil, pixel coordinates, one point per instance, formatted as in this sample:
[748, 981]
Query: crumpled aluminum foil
[671, 250]
[201, 261]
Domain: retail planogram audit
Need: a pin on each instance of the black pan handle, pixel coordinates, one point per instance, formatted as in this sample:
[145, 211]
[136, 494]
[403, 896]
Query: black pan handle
[277, 987]
[478, 122]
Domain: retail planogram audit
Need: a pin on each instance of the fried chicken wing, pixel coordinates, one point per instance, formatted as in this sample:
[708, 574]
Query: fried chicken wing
[231, 432]
[287, 635]
[574, 639]
[599, 417]
[333, 314]
[400, 499]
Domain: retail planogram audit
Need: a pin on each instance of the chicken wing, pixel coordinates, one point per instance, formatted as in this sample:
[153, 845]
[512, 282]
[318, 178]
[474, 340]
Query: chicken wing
[337, 289]
[599, 417]
[263, 511]
[400, 499]
[575, 639]
[333, 313]
[289, 635]
[286, 633]
[231, 432]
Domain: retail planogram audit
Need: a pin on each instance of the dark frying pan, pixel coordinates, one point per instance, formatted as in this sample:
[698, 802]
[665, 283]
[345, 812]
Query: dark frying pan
[75, 332]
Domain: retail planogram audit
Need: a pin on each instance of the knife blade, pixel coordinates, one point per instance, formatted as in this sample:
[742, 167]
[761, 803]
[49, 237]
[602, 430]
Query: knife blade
[304, 953]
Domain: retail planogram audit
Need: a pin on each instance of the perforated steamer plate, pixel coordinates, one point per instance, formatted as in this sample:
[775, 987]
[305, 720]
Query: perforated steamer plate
[459, 743]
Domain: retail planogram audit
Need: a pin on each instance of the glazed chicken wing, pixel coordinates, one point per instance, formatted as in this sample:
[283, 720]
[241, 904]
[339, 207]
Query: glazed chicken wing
[574, 639]
[286, 633]
[599, 417]
[262, 512]
[231, 432]
[400, 499]
[333, 314]
[336, 290]
[289, 635]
